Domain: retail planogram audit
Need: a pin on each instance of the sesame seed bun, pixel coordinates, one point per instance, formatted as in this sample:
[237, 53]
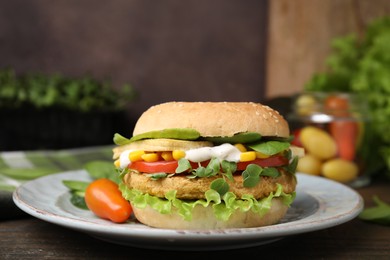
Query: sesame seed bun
[212, 119]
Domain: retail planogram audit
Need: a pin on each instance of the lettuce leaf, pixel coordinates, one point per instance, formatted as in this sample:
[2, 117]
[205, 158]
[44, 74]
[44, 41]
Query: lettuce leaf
[223, 206]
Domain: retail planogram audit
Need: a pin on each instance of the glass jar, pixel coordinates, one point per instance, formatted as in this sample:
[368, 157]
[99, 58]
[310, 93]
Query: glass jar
[331, 129]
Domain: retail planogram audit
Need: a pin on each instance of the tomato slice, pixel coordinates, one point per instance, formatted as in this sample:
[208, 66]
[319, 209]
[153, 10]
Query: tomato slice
[170, 166]
[153, 167]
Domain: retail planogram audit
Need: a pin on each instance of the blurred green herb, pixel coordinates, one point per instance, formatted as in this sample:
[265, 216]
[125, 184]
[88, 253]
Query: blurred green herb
[270, 147]
[96, 170]
[251, 175]
[362, 66]
[379, 214]
[102, 169]
[81, 94]
[77, 190]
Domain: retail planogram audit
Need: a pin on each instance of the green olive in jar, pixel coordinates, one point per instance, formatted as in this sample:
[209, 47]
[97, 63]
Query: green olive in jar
[318, 142]
[305, 104]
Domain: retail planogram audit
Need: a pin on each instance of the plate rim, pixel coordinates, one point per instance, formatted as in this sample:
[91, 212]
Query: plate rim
[307, 224]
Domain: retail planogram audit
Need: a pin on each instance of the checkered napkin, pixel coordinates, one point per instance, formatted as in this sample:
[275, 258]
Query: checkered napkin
[17, 167]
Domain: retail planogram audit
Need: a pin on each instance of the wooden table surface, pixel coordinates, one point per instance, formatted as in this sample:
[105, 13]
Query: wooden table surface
[30, 238]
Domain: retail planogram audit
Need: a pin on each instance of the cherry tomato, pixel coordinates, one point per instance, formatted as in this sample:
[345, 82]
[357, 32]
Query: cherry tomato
[337, 105]
[105, 200]
[170, 166]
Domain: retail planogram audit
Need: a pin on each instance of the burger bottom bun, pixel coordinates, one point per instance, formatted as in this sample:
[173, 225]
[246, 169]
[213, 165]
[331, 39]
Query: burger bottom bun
[204, 218]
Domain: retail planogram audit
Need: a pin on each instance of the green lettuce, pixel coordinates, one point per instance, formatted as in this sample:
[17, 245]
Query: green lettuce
[223, 206]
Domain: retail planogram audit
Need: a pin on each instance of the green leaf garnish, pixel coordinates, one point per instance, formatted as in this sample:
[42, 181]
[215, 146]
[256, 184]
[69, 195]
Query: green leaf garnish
[251, 175]
[201, 172]
[183, 165]
[78, 200]
[122, 172]
[270, 147]
[379, 214]
[270, 172]
[76, 185]
[213, 167]
[96, 170]
[292, 166]
[159, 175]
[228, 168]
[77, 191]
[220, 186]
[102, 169]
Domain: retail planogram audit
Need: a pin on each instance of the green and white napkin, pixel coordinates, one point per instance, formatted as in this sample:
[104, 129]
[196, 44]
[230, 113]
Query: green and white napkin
[17, 167]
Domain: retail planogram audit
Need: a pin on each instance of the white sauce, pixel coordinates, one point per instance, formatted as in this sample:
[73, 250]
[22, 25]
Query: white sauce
[226, 152]
[124, 159]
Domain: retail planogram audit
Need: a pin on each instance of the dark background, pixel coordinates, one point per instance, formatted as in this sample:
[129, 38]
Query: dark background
[191, 50]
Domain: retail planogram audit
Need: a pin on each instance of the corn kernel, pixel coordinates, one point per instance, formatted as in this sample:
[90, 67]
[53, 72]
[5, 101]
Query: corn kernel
[150, 157]
[261, 155]
[178, 154]
[247, 156]
[136, 156]
[117, 163]
[167, 156]
[240, 147]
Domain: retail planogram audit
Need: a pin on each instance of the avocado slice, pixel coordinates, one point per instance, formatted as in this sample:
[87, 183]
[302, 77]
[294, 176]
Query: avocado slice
[171, 133]
[189, 134]
[248, 137]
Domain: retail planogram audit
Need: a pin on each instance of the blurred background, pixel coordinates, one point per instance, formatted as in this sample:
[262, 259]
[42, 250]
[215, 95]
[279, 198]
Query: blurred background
[147, 52]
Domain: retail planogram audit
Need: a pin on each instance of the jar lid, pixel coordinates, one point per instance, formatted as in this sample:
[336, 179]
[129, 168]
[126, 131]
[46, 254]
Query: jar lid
[323, 107]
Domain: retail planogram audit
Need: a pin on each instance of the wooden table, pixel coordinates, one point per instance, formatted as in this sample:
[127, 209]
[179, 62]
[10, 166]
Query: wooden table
[30, 238]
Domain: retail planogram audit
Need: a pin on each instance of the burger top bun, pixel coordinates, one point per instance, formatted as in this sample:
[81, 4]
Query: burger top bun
[214, 118]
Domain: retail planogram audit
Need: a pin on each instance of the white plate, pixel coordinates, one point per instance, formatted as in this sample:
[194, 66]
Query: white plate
[320, 204]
